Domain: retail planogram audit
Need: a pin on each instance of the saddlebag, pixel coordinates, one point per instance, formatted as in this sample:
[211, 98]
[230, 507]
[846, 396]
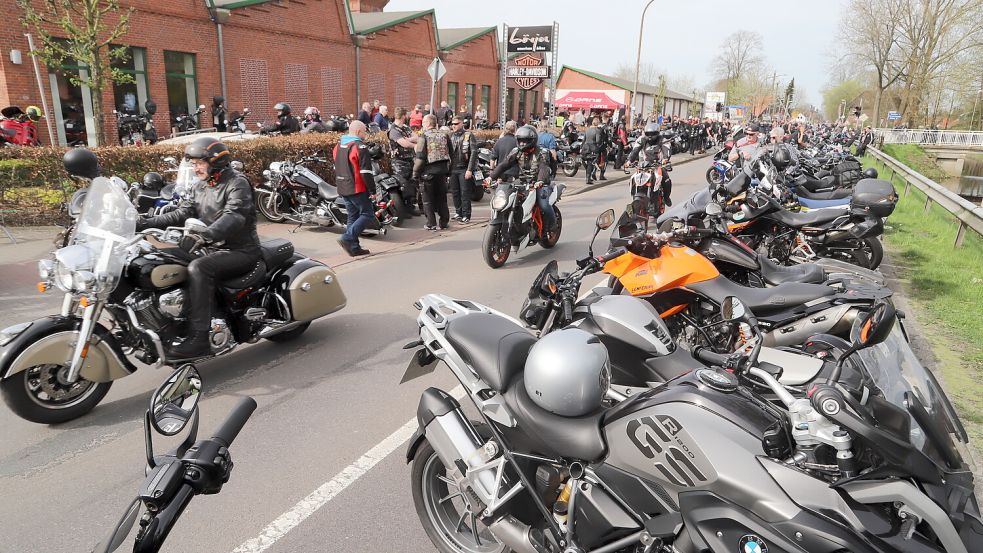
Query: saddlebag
[874, 197]
[311, 290]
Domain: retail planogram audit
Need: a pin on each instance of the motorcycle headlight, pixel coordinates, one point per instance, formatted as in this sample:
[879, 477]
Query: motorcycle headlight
[46, 269]
[63, 278]
[266, 174]
[499, 200]
[8, 334]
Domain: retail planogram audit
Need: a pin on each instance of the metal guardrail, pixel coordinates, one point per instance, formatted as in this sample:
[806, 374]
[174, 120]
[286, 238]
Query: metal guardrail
[966, 212]
[930, 137]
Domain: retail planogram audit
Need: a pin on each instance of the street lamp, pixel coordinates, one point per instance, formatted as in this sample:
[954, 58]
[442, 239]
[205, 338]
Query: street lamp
[638, 63]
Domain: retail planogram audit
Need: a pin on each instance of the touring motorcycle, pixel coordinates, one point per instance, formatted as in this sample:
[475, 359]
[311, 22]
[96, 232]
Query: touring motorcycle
[125, 301]
[516, 221]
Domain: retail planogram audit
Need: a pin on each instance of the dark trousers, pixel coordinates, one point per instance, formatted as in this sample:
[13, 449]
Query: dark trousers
[435, 199]
[403, 171]
[694, 144]
[205, 271]
[360, 216]
[461, 192]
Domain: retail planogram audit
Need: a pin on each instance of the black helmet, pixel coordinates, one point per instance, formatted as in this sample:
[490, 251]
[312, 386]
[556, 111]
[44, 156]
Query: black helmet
[80, 162]
[211, 150]
[150, 106]
[652, 133]
[526, 137]
[781, 157]
[870, 173]
[217, 101]
[153, 181]
[282, 108]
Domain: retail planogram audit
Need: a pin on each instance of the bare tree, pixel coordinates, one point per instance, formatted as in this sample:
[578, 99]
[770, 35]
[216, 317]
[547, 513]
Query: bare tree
[739, 52]
[648, 73]
[869, 32]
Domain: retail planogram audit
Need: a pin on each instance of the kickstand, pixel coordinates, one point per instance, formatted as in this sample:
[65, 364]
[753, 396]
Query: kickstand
[300, 224]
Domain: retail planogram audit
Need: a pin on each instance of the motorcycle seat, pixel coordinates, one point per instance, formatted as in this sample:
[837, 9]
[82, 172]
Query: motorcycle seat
[775, 274]
[806, 219]
[763, 301]
[255, 276]
[495, 347]
[569, 437]
[813, 184]
[835, 194]
[276, 251]
[327, 191]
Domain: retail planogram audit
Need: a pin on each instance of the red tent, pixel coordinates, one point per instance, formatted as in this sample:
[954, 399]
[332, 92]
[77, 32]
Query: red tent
[587, 99]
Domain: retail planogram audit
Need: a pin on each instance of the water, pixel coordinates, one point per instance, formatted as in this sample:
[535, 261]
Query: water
[970, 184]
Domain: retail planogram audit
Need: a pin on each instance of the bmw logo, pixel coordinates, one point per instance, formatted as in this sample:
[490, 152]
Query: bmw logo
[752, 544]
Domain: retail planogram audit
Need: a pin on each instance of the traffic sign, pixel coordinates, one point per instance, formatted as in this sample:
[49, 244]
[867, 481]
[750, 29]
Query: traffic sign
[893, 115]
[436, 69]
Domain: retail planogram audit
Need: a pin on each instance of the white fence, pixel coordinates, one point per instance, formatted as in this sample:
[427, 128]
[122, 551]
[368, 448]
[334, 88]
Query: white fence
[928, 137]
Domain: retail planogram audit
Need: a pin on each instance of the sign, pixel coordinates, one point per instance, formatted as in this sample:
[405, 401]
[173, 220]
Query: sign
[893, 115]
[588, 99]
[528, 71]
[436, 69]
[713, 98]
[530, 39]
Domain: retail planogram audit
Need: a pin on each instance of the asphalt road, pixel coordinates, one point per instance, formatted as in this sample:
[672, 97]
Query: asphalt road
[332, 417]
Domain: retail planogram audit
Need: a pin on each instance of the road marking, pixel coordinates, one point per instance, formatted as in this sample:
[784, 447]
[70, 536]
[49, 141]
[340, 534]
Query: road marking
[327, 491]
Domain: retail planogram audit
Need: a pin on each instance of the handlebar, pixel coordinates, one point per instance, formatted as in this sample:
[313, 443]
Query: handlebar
[234, 422]
[613, 254]
[711, 357]
[567, 307]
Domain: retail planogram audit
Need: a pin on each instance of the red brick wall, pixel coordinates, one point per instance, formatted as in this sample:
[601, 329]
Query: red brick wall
[397, 58]
[572, 79]
[474, 62]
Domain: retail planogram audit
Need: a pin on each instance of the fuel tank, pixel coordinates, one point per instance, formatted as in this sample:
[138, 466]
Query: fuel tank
[156, 271]
[675, 266]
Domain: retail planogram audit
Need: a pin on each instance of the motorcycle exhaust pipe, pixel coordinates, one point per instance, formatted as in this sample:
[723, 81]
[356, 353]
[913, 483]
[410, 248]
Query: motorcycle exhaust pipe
[517, 535]
[828, 321]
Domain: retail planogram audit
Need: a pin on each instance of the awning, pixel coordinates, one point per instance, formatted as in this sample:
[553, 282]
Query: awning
[588, 99]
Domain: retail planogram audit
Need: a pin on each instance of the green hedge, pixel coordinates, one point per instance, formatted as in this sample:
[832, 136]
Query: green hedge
[34, 185]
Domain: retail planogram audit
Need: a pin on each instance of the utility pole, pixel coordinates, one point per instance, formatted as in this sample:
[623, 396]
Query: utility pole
[638, 64]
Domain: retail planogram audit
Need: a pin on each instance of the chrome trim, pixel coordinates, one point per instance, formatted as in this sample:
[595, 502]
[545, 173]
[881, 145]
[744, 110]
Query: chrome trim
[150, 334]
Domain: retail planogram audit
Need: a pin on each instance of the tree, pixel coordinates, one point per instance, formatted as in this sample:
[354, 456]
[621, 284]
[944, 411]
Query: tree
[869, 31]
[648, 73]
[739, 52]
[834, 96]
[87, 26]
[789, 95]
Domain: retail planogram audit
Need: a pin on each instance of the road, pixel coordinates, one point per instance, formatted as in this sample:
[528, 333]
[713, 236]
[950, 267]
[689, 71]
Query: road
[332, 416]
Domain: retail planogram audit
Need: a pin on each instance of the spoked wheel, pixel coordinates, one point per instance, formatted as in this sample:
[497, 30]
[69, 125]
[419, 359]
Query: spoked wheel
[272, 205]
[41, 394]
[495, 246]
[553, 236]
[448, 517]
[714, 177]
[570, 167]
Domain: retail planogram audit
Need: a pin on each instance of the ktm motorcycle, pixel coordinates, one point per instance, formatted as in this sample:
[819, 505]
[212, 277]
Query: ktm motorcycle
[645, 187]
[701, 463]
[516, 221]
[125, 298]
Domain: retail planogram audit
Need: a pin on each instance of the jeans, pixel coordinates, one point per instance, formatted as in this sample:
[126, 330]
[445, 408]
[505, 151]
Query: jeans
[435, 200]
[461, 192]
[360, 215]
[543, 201]
[205, 271]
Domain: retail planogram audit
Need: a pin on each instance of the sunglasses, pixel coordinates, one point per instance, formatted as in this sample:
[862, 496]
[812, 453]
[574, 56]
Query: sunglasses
[456, 122]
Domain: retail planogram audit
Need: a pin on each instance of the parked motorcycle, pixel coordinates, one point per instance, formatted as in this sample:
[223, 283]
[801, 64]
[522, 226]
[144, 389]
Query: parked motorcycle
[196, 467]
[516, 221]
[18, 128]
[124, 299]
[135, 129]
[237, 121]
[722, 171]
[189, 122]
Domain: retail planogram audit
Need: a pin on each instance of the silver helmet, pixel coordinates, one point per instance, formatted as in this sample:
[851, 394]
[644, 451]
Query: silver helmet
[567, 372]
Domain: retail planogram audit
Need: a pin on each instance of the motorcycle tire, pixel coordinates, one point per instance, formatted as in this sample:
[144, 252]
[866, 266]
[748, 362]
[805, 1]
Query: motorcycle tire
[553, 236]
[289, 335]
[875, 251]
[495, 249]
[17, 394]
[400, 206]
[713, 177]
[477, 193]
[266, 203]
[442, 520]
[570, 167]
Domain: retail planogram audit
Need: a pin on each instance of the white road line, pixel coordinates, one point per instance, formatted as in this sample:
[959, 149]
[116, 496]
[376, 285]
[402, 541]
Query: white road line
[327, 491]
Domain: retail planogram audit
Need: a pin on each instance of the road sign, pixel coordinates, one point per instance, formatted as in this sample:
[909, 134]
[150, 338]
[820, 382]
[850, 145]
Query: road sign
[436, 69]
[893, 115]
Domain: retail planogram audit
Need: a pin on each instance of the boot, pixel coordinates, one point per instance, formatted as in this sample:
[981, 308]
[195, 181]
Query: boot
[194, 346]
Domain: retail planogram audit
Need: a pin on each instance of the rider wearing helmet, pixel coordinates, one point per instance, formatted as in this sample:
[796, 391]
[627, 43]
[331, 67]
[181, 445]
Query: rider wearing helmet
[153, 181]
[285, 122]
[34, 113]
[533, 167]
[223, 200]
[80, 162]
[568, 373]
[220, 117]
[312, 121]
[652, 148]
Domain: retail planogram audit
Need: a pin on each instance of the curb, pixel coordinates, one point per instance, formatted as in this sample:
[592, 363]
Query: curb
[623, 178]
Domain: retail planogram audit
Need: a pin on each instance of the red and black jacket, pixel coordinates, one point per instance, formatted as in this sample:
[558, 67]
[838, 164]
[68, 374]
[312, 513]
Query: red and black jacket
[353, 168]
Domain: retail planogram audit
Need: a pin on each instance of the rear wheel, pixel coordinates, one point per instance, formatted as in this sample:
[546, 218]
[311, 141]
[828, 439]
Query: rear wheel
[495, 246]
[41, 394]
[271, 205]
[570, 166]
[714, 177]
[874, 250]
[553, 236]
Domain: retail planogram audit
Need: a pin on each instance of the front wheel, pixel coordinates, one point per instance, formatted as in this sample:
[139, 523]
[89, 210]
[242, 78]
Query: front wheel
[270, 205]
[40, 394]
[477, 192]
[495, 246]
[553, 236]
[714, 177]
[570, 166]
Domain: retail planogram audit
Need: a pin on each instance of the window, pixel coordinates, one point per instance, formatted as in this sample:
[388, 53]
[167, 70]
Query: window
[486, 99]
[510, 103]
[469, 97]
[452, 96]
[72, 105]
[522, 105]
[182, 85]
[131, 97]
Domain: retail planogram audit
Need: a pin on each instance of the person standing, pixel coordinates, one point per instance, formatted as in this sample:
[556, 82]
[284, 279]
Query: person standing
[431, 165]
[592, 148]
[355, 180]
[504, 145]
[402, 141]
[547, 142]
[444, 114]
[375, 108]
[381, 119]
[865, 139]
[464, 157]
[365, 114]
[416, 117]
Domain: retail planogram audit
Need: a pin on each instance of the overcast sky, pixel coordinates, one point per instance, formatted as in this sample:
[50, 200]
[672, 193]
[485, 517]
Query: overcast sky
[682, 37]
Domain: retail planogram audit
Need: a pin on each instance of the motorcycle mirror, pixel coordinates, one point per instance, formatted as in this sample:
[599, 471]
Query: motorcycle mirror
[733, 309]
[176, 400]
[237, 165]
[122, 530]
[605, 220]
[170, 160]
[876, 326]
[713, 208]
[202, 106]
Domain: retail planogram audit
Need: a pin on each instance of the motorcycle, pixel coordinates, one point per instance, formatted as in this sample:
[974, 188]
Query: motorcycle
[700, 463]
[722, 171]
[516, 221]
[18, 128]
[123, 299]
[645, 187]
[189, 122]
[237, 121]
[196, 467]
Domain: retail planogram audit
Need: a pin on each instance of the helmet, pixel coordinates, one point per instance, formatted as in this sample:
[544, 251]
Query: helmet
[526, 137]
[567, 372]
[150, 106]
[312, 112]
[652, 134]
[282, 108]
[214, 152]
[80, 162]
[153, 181]
[782, 158]
[217, 101]
[870, 173]
[34, 113]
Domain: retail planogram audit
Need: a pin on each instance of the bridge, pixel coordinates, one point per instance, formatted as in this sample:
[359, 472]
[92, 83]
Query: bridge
[949, 147]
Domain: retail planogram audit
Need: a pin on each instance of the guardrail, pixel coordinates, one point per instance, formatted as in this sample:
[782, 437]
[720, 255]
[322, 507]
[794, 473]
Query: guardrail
[966, 212]
[930, 137]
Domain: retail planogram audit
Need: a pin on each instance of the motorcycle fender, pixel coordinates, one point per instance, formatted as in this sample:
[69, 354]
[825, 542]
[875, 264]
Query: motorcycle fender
[557, 192]
[311, 288]
[415, 441]
[52, 340]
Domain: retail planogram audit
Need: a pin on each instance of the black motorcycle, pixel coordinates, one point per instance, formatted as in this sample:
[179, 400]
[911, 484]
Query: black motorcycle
[125, 298]
[188, 122]
[134, 129]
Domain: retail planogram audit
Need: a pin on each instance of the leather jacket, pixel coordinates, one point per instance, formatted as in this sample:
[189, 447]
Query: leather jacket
[464, 151]
[285, 124]
[225, 206]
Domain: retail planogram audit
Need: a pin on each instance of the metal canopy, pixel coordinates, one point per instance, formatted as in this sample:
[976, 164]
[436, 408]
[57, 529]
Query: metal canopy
[233, 4]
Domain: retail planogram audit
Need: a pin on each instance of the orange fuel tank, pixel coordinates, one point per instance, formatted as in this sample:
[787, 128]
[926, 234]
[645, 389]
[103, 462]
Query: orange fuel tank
[676, 266]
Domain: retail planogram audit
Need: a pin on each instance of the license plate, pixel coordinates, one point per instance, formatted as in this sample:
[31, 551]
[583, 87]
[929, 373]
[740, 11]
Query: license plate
[478, 175]
[421, 363]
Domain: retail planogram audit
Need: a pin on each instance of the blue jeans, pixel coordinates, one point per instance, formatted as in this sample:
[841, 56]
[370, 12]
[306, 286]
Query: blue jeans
[543, 200]
[360, 215]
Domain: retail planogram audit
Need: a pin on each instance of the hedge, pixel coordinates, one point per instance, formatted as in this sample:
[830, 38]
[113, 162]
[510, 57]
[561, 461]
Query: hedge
[34, 185]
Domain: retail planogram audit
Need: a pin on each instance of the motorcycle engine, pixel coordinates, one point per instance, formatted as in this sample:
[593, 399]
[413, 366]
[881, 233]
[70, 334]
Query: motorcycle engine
[172, 303]
[220, 336]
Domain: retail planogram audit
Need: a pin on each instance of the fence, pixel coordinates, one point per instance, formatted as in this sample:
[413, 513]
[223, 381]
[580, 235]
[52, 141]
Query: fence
[966, 212]
[930, 137]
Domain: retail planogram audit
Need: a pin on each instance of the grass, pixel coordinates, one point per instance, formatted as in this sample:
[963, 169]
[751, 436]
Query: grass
[945, 286]
[917, 158]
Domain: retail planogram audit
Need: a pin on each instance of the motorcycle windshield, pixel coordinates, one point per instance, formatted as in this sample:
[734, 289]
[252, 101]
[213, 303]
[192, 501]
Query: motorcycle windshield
[694, 206]
[105, 227]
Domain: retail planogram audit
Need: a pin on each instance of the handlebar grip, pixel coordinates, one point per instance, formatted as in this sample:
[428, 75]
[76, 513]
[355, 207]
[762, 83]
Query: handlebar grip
[613, 254]
[711, 357]
[567, 308]
[234, 422]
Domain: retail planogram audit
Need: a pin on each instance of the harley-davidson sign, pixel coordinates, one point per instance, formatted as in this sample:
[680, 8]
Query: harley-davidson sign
[528, 71]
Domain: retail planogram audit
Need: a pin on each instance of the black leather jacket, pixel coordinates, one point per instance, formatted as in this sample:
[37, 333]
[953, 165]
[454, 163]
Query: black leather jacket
[226, 207]
[464, 151]
[285, 124]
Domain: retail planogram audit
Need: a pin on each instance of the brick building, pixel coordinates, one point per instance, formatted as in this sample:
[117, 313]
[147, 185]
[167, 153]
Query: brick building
[332, 54]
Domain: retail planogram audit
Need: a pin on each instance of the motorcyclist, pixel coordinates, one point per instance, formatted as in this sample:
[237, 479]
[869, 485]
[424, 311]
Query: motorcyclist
[312, 121]
[223, 199]
[651, 148]
[219, 114]
[285, 122]
[533, 167]
[402, 141]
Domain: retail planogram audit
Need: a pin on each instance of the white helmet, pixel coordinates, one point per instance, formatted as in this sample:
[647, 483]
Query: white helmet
[312, 112]
[567, 372]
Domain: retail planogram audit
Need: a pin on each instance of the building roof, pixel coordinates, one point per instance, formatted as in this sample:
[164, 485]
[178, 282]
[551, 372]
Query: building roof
[625, 84]
[233, 4]
[373, 22]
[452, 38]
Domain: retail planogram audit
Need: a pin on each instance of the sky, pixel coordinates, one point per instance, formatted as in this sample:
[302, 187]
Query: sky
[681, 37]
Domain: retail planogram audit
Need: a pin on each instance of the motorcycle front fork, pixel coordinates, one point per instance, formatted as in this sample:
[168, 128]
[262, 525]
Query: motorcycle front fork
[90, 318]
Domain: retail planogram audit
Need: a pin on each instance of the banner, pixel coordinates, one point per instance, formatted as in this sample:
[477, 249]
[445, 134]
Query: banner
[530, 39]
